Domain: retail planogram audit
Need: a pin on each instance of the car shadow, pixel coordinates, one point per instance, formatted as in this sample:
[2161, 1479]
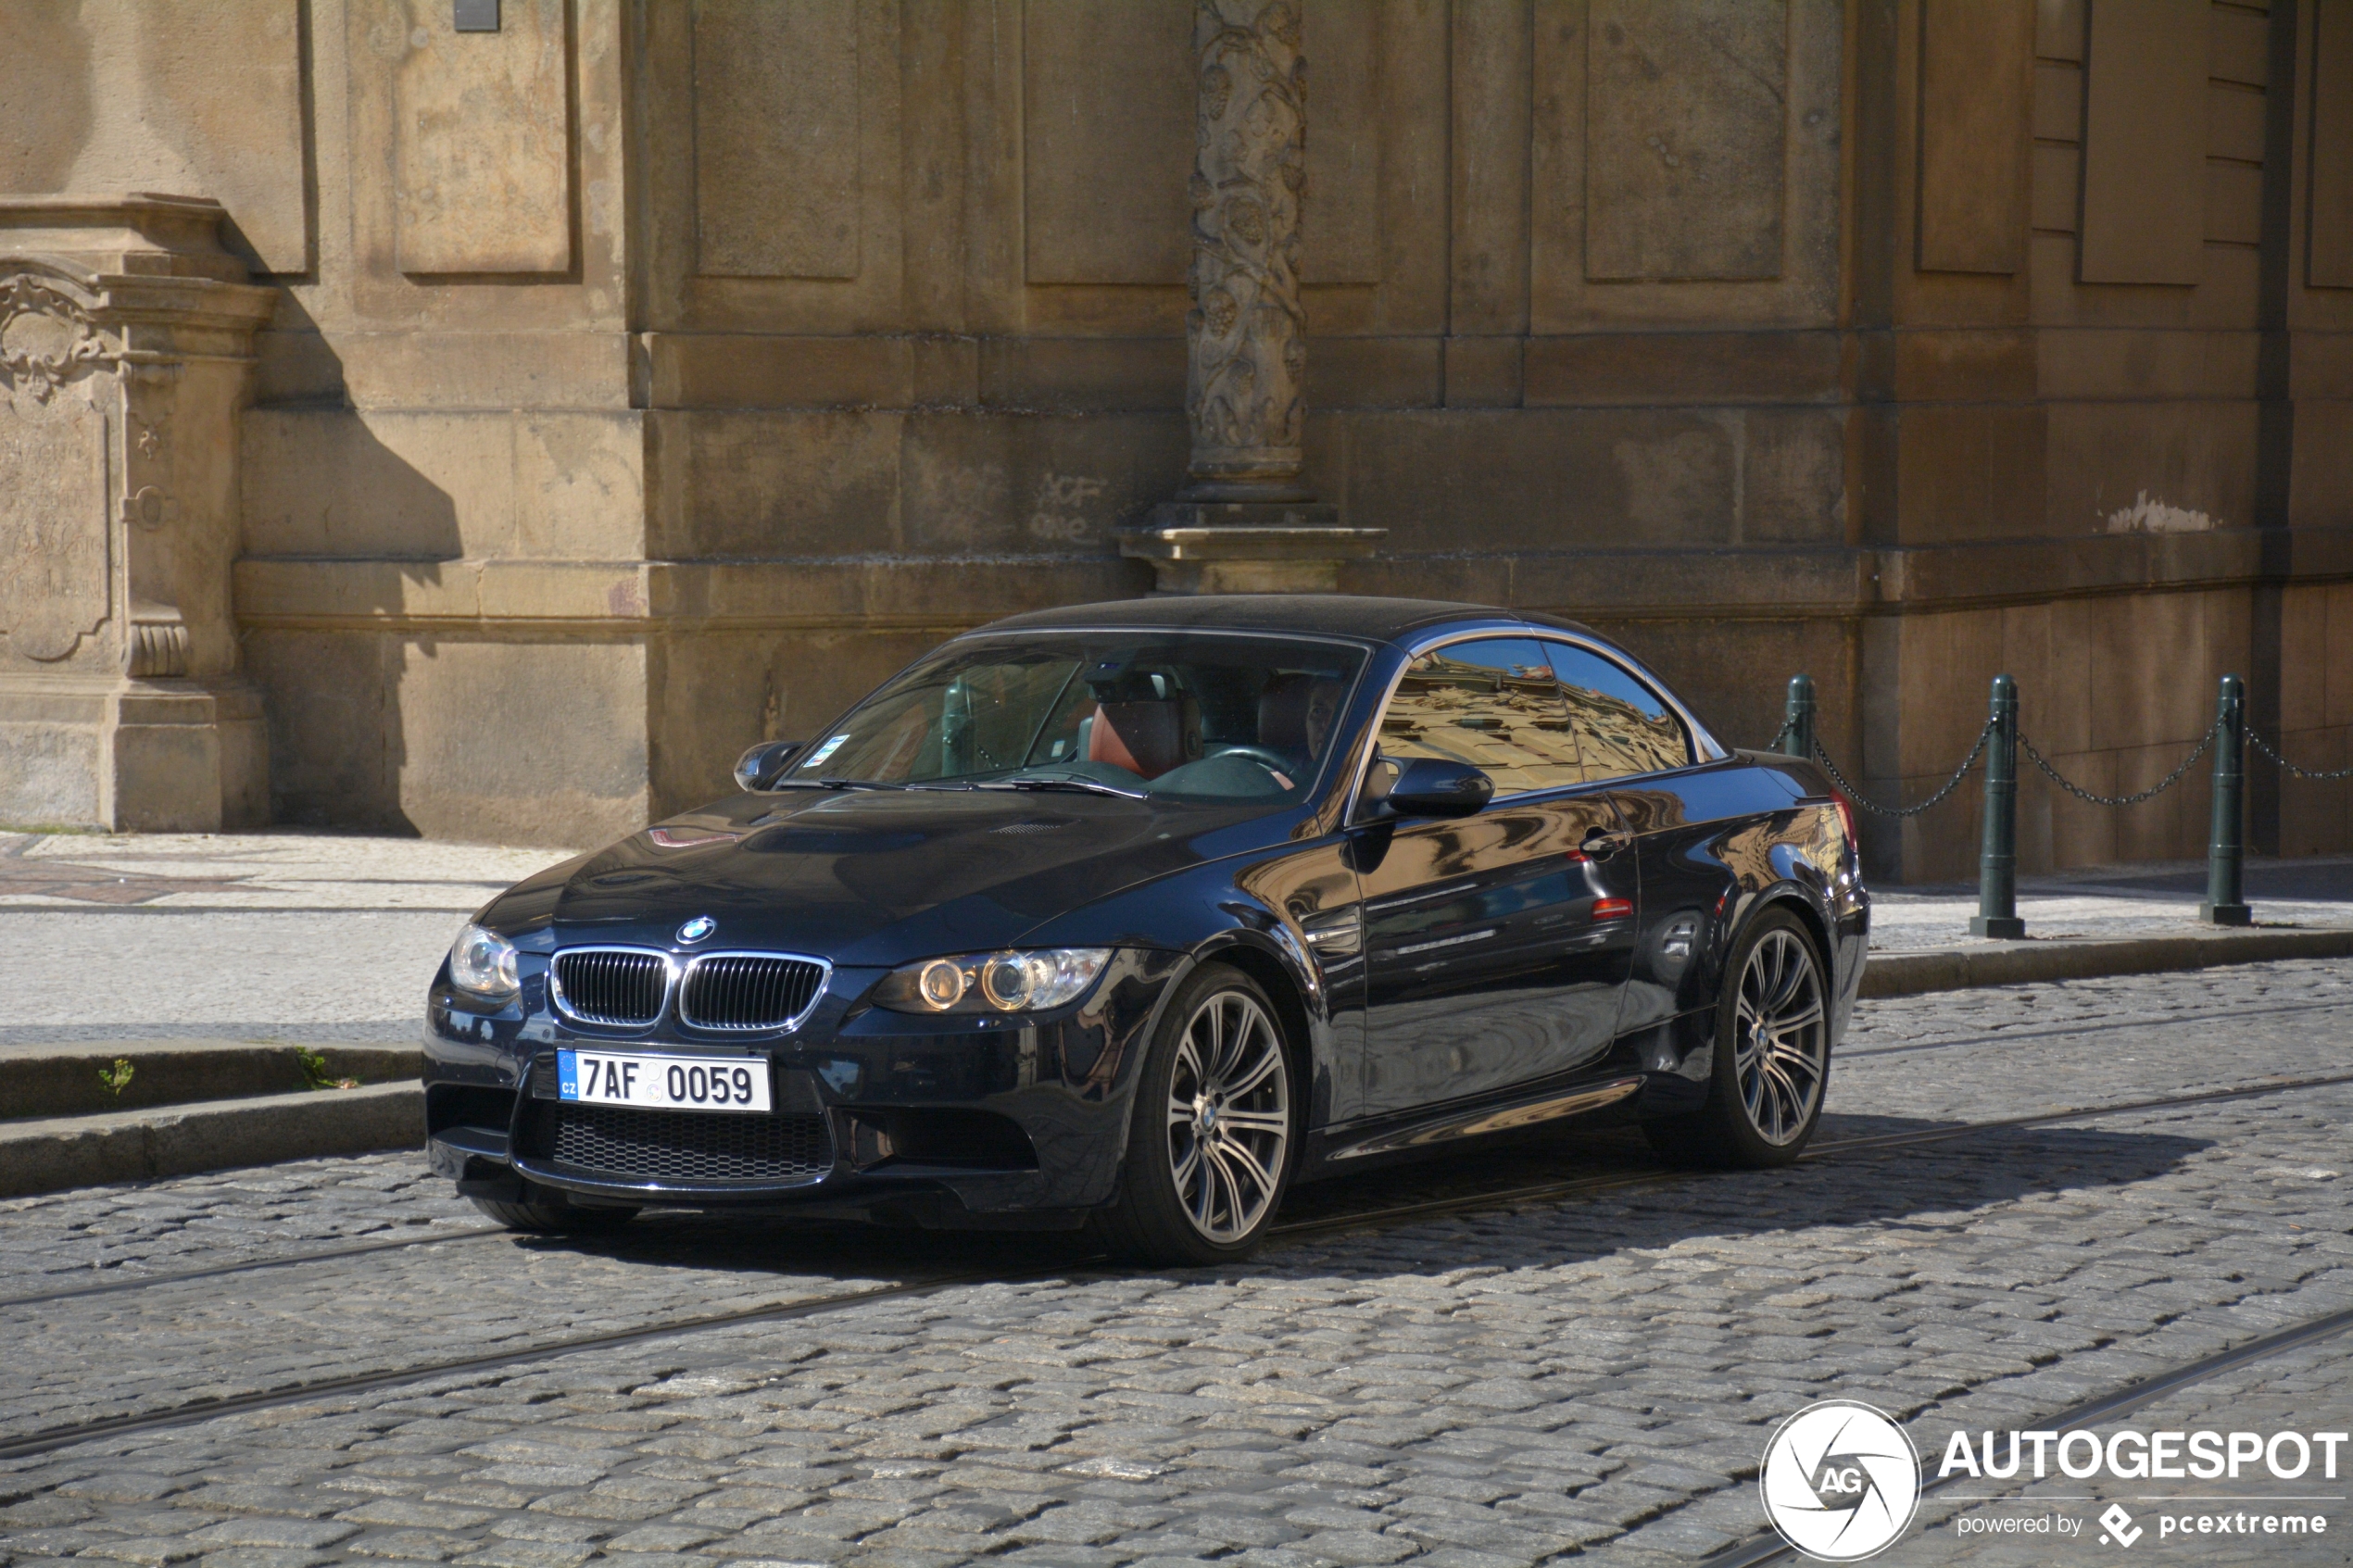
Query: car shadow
[1507, 1217]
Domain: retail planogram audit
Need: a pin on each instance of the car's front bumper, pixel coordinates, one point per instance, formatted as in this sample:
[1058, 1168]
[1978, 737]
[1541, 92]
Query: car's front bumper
[947, 1121]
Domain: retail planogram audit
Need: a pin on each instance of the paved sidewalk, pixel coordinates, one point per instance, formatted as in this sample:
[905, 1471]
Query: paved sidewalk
[291, 936]
[2112, 902]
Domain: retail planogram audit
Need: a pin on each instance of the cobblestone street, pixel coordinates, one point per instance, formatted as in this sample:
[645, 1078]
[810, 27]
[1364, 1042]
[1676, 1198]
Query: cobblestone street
[1594, 1373]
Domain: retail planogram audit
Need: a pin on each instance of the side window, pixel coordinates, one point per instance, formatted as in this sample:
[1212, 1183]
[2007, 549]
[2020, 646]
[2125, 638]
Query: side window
[1622, 727]
[1494, 704]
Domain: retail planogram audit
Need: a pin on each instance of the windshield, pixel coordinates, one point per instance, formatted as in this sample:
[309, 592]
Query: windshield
[1185, 715]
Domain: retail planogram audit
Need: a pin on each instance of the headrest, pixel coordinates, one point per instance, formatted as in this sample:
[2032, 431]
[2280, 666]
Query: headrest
[1283, 707]
[1146, 738]
[1282, 713]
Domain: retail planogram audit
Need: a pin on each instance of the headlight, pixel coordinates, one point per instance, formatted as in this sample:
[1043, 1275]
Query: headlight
[483, 962]
[1031, 981]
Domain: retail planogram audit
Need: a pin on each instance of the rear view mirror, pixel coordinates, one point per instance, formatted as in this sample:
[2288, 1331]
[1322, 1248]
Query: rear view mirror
[765, 764]
[1431, 786]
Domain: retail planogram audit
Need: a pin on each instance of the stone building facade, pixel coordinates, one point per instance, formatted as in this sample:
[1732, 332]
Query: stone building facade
[647, 377]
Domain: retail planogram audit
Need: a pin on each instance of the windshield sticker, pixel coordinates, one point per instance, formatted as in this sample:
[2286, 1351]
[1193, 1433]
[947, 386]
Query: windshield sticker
[824, 751]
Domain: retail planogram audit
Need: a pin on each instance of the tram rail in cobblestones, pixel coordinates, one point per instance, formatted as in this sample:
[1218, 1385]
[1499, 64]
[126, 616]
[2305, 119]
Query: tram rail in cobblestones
[251, 1265]
[137, 1423]
[1761, 1549]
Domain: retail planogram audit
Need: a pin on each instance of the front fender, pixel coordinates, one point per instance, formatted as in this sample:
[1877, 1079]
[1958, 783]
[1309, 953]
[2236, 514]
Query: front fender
[1249, 911]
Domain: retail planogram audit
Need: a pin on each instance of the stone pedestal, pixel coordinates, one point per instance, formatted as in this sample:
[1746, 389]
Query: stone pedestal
[1248, 547]
[126, 336]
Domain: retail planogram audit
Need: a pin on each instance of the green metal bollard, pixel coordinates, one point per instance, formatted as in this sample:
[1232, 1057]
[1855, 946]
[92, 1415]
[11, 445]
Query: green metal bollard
[1797, 720]
[1997, 863]
[2226, 850]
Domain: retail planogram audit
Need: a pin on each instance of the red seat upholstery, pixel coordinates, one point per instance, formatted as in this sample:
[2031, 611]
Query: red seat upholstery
[1147, 738]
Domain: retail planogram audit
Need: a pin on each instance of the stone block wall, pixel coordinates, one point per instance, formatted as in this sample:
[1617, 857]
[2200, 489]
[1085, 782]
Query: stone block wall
[652, 376]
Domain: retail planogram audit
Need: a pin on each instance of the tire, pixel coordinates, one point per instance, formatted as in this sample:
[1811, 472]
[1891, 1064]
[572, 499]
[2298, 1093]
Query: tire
[1773, 1055]
[554, 1218]
[1199, 1184]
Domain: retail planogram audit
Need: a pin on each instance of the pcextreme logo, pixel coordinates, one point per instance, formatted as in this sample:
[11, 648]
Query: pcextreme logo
[1841, 1481]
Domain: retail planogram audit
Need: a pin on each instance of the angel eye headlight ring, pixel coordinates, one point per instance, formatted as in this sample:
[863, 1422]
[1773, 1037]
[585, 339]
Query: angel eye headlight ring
[1007, 982]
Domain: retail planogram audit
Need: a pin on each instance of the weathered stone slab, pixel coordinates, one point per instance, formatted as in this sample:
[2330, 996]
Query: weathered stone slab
[52, 522]
[776, 138]
[483, 122]
[1107, 138]
[1686, 106]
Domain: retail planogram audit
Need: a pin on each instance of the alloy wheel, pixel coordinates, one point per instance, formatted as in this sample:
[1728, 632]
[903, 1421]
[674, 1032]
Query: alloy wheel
[1783, 1037]
[1228, 1116]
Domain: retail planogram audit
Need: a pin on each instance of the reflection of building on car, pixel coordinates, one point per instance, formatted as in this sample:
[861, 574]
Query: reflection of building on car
[1530, 716]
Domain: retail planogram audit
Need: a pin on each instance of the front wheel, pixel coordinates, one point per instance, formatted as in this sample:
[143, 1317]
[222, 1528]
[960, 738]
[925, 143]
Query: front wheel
[1773, 1055]
[1212, 1144]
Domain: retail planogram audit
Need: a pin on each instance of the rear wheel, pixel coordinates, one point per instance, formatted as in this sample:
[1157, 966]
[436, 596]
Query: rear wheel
[1212, 1145]
[554, 1218]
[1773, 1055]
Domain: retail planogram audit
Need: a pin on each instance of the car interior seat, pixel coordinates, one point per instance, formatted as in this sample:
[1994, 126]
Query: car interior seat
[1146, 736]
[1282, 714]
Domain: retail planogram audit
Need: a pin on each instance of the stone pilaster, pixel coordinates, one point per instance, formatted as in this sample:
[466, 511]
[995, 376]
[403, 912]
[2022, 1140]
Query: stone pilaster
[125, 350]
[1246, 521]
[1247, 335]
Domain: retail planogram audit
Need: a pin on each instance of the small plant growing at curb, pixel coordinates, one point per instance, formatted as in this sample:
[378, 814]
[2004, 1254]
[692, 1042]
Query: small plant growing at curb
[315, 1072]
[116, 1079]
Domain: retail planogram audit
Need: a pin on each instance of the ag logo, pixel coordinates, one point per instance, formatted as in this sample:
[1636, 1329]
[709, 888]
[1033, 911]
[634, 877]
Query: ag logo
[1841, 1481]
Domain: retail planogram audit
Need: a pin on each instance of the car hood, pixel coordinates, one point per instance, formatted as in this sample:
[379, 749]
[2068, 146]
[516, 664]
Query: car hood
[875, 877]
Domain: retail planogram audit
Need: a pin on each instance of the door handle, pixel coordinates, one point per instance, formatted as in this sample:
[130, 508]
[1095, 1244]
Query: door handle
[1601, 843]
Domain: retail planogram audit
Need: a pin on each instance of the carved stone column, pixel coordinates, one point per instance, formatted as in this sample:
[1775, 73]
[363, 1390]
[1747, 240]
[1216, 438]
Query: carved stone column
[126, 336]
[1247, 522]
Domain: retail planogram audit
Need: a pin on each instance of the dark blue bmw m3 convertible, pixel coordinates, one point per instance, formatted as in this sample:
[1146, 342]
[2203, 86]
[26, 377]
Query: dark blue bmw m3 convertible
[1130, 915]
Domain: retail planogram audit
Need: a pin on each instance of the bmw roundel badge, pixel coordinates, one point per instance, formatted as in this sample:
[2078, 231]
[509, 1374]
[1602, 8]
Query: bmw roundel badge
[696, 929]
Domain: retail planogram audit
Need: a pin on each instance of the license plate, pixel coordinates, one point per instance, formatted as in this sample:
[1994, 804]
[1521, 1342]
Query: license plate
[662, 1083]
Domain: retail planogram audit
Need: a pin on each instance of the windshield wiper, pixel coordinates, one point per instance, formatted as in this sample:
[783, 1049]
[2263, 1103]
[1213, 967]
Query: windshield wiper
[1092, 786]
[833, 783]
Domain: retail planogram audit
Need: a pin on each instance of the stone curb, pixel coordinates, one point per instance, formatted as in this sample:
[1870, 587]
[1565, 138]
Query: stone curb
[2024, 963]
[133, 1146]
[62, 1080]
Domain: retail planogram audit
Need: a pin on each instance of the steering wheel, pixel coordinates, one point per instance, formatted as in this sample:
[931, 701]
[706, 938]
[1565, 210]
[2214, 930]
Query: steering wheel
[1266, 757]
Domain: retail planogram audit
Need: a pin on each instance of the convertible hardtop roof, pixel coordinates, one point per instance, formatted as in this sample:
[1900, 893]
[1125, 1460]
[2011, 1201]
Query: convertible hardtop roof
[1342, 615]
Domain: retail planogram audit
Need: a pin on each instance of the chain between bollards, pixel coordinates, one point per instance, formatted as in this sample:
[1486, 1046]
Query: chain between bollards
[1997, 860]
[2000, 741]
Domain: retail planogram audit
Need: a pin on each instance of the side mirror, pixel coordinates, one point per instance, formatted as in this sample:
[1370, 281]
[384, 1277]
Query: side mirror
[1430, 786]
[765, 764]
